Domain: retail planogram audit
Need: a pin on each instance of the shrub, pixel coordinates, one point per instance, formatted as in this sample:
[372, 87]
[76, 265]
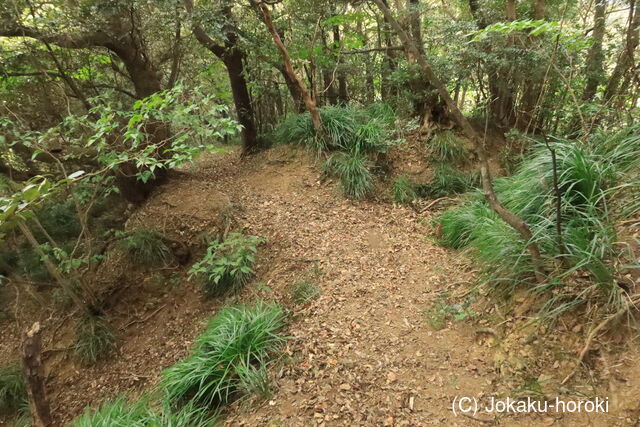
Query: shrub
[236, 339]
[60, 220]
[94, 339]
[448, 180]
[304, 291]
[355, 177]
[446, 147]
[403, 190]
[597, 180]
[227, 266]
[147, 248]
[13, 393]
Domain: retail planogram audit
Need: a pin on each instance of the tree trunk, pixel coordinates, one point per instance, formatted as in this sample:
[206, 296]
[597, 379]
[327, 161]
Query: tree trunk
[33, 372]
[594, 69]
[234, 61]
[294, 91]
[288, 68]
[625, 60]
[507, 216]
[343, 95]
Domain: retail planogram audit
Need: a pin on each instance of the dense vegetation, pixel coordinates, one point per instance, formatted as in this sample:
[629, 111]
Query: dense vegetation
[103, 102]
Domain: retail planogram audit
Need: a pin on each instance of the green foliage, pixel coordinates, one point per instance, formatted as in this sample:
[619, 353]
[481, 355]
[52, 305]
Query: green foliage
[356, 133]
[13, 392]
[597, 180]
[120, 413]
[447, 147]
[404, 190]
[230, 354]
[441, 311]
[351, 129]
[59, 219]
[94, 339]
[227, 266]
[353, 171]
[304, 291]
[147, 247]
[254, 381]
[448, 180]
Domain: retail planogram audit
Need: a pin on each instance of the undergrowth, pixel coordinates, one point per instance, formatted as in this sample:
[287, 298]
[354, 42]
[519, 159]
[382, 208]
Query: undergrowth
[447, 147]
[228, 266]
[94, 339]
[404, 191]
[147, 248]
[598, 182]
[354, 136]
[140, 413]
[13, 392]
[448, 180]
[228, 357]
[304, 291]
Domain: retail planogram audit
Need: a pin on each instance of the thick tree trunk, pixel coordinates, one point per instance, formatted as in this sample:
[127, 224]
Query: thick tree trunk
[234, 61]
[33, 372]
[507, 216]
[594, 69]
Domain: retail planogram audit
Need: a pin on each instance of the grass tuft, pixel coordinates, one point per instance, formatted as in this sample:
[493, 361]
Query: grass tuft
[237, 341]
[94, 339]
[120, 412]
[448, 180]
[404, 191]
[598, 183]
[447, 147]
[147, 248]
[356, 179]
[13, 392]
[304, 291]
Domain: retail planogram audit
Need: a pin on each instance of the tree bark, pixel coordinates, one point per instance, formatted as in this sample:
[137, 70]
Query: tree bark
[233, 58]
[33, 372]
[507, 216]
[343, 95]
[309, 102]
[625, 59]
[594, 69]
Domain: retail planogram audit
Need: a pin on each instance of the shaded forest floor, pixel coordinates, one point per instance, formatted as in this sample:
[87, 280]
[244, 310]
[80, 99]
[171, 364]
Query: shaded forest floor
[360, 354]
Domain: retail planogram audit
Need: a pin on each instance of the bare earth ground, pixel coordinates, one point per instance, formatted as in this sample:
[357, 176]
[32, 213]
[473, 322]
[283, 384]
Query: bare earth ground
[361, 354]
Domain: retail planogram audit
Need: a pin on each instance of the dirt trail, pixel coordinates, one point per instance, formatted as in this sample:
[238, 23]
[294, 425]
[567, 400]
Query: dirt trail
[361, 354]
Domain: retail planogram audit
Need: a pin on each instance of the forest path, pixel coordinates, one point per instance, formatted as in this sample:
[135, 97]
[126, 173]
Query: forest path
[363, 353]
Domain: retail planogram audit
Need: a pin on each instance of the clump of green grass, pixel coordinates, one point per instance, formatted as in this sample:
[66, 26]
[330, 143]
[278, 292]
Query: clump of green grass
[404, 191]
[227, 266]
[94, 339]
[236, 341]
[448, 180]
[254, 381]
[356, 179]
[447, 147]
[121, 412]
[147, 247]
[304, 291]
[355, 135]
[598, 183]
[13, 392]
